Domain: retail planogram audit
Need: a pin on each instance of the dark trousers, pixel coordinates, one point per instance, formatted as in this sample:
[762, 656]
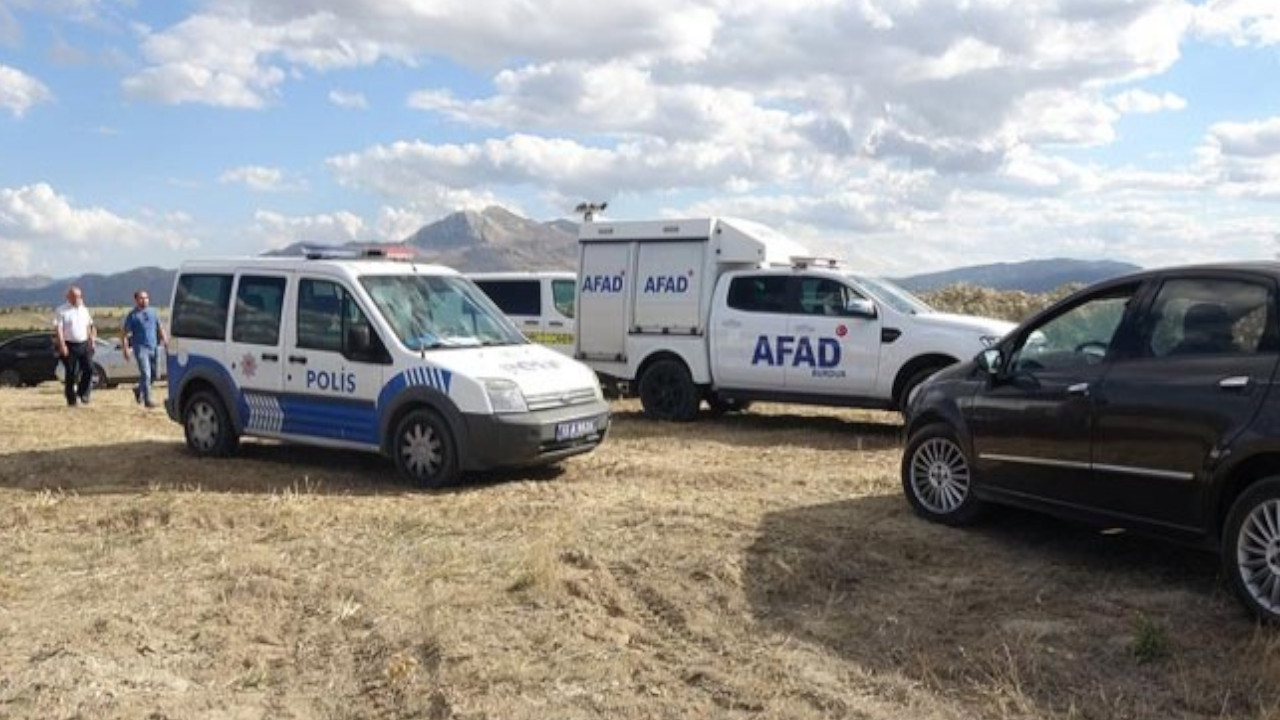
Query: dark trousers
[77, 377]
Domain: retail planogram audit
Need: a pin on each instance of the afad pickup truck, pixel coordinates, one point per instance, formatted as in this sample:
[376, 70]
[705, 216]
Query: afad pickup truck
[729, 312]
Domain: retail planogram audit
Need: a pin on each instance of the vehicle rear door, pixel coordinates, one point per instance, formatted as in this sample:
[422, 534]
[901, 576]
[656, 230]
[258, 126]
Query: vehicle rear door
[1207, 352]
[751, 341]
[1032, 425]
[254, 354]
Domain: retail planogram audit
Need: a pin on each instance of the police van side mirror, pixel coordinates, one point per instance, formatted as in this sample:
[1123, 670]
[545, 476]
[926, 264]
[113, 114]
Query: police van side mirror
[860, 307]
[358, 341]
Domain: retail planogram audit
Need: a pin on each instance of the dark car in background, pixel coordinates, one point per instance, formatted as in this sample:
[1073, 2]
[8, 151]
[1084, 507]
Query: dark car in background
[27, 359]
[1144, 402]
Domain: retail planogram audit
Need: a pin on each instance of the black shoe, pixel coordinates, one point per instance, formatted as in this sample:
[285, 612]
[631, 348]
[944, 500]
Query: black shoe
[150, 405]
[137, 395]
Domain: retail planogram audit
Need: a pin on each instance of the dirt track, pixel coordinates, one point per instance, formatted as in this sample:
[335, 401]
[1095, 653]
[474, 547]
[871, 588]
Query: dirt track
[754, 566]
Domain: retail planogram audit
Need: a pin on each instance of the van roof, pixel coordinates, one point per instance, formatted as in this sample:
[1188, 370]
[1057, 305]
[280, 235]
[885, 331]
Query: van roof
[333, 266]
[523, 275]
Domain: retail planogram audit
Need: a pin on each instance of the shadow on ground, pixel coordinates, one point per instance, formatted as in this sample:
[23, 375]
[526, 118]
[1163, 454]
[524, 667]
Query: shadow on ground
[754, 429]
[1045, 616]
[257, 467]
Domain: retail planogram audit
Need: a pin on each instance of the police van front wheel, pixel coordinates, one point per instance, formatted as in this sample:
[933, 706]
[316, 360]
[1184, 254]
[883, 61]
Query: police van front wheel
[667, 392]
[424, 450]
[208, 426]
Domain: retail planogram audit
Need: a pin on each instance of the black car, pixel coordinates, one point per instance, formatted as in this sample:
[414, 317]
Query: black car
[1143, 402]
[27, 360]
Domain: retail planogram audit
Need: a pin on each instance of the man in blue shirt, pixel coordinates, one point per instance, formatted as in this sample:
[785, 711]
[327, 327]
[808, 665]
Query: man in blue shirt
[143, 334]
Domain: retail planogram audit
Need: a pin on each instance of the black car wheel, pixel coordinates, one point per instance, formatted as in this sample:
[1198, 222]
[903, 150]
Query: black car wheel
[424, 450]
[10, 378]
[937, 477]
[208, 426]
[667, 392]
[100, 378]
[1251, 549]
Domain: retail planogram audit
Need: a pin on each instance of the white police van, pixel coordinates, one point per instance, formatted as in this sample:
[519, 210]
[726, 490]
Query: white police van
[539, 302]
[730, 312]
[405, 359]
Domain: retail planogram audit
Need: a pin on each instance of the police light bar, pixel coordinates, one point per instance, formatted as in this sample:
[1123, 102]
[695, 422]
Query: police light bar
[800, 262]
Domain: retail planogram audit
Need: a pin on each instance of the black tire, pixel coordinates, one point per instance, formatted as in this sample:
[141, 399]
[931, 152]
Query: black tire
[720, 405]
[667, 392]
[937, 477]
[425, 451]
[10, 378]
[916, 378]
[1251, 549]
[100, 377]
[207, 426]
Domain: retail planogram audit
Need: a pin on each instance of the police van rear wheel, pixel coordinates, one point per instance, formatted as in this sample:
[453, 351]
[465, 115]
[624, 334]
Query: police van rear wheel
[667, 392]
[424, 450]
[208, 426]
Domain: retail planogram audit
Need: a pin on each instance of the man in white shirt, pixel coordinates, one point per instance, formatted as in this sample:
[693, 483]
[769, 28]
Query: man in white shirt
[74, 336]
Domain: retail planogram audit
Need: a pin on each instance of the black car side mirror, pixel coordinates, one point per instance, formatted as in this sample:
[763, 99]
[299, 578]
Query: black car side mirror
[989, 360]
[860, 307]
[358, 340]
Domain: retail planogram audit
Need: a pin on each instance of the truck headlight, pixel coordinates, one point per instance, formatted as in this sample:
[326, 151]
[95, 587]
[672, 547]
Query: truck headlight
[505, 396]
[989, 340]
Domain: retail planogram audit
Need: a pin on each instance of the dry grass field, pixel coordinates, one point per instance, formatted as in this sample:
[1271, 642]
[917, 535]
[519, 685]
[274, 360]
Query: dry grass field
[758, 566]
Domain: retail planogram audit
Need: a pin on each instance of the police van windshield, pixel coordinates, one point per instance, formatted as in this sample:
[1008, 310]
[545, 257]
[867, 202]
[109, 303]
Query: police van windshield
[439, 311]
[893, 295]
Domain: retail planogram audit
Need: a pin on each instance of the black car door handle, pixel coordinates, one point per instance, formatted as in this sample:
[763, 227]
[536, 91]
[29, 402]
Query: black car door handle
[270, 357]
[298, 359]
[1081, 389]
[1238, 382]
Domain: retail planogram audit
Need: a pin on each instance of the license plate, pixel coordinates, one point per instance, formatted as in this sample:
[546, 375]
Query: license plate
[575, 429]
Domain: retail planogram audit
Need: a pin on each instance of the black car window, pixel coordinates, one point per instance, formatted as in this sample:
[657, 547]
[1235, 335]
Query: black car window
[824, 296]
[259, 301]
[514, 297]
[1208, 316]
[759, 293]
[1080, 336]
[200, 306]
[34, 343]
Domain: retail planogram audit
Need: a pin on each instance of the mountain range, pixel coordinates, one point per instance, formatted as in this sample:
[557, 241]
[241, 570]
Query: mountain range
[496, 239]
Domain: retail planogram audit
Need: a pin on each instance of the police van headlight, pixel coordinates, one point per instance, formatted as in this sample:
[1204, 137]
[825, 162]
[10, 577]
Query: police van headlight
[505, 396]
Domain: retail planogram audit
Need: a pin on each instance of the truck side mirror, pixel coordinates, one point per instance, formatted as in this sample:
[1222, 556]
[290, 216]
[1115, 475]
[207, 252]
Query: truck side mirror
[860, 307]
[989, 361]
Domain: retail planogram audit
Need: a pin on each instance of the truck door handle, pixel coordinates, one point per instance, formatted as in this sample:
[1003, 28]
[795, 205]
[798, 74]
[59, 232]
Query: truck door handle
[271, 357]
[1238, 382]
[805, 328]
[1081, 389]
[555, 323]
[298, 359]
[530, 322]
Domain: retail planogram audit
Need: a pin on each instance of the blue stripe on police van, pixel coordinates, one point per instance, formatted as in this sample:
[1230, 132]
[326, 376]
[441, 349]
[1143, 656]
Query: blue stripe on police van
[323, 417]
[265, 413]
[429, 376]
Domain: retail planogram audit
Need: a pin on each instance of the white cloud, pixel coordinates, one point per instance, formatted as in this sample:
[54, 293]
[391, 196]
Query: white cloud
[1132, 102]
[258, 178]
[273, 231]
[1244, 158]
[348, 100]
[37, 217]
[1242, 22]
[19, 91]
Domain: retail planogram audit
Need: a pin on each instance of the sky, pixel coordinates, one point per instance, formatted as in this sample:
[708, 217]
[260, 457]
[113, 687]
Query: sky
[903, 135]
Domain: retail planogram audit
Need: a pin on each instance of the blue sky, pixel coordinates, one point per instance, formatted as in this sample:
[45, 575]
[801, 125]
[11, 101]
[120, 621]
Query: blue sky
[906, 136]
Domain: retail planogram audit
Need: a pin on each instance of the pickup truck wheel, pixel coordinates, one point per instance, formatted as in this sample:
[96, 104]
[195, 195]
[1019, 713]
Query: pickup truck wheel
[1251, 549]
[208, 426]
[667, 392]
[937, 477]
[424, 450]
